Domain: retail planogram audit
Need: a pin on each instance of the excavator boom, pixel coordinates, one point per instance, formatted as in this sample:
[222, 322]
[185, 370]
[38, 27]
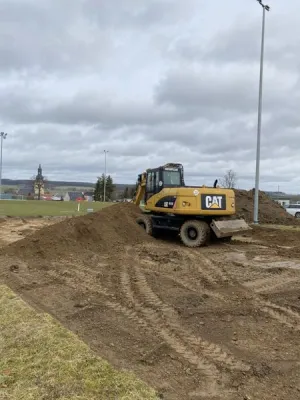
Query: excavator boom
[140, 189]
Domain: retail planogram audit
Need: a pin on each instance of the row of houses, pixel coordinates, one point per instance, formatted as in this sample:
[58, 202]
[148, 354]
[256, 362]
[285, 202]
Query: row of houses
[23, 194]
[283, 198]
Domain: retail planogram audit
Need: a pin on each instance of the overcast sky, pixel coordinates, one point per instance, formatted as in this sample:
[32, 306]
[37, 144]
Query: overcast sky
[152, 82]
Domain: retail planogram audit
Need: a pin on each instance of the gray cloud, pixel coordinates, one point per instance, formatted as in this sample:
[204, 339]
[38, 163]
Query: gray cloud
[151, 82]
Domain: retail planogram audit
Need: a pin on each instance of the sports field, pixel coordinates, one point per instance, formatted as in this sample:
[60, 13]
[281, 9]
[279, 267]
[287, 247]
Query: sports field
[36, 208]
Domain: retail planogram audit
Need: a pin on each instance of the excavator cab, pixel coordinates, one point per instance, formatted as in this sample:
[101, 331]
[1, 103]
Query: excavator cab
[166, 176]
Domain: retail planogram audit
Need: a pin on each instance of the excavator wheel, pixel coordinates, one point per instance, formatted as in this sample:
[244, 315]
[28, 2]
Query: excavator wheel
[194, 233]
[145, 222]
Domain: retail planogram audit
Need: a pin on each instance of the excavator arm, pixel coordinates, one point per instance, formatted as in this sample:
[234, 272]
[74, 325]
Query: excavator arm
[140, 189]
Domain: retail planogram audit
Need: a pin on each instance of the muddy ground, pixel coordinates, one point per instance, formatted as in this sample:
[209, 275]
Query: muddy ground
[220, 322]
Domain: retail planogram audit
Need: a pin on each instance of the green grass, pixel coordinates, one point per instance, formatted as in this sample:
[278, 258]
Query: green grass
[40, 359]
[35, 208]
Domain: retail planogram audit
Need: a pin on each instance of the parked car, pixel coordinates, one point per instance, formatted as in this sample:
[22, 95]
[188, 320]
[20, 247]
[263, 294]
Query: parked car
[57, 197]
[293, 209]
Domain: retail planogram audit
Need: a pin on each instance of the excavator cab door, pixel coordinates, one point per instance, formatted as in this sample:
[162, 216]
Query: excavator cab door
[153, 183]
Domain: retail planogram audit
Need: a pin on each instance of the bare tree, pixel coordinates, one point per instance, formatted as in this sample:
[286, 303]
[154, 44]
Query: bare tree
[229, 180]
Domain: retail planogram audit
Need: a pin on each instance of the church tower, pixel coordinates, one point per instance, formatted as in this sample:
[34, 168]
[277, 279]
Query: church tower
[39, 183]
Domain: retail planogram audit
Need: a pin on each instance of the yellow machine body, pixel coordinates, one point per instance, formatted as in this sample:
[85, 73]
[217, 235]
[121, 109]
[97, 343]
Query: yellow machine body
[193, 201]
[194, 211]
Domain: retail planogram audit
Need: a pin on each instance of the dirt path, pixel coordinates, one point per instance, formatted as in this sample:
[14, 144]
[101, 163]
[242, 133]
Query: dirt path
[221, 322]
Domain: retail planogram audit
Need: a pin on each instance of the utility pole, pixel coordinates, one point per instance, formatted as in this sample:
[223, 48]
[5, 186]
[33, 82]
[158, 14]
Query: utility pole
[105, 152]
[256, 196]
[2, 136]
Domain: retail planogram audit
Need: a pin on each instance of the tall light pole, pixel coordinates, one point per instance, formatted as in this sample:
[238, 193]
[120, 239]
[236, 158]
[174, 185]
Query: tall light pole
[2, 136]
[256, 196]
[105, 152]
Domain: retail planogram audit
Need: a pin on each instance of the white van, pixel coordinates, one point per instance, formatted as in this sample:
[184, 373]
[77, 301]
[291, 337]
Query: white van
[293, 209]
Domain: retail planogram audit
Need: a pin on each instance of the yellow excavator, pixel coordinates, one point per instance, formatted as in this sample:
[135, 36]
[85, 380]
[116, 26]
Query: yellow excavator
[196, 212]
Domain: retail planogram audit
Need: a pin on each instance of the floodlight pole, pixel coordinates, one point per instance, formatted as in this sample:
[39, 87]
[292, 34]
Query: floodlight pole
[256, 196]
[105, 152]
[2, 137]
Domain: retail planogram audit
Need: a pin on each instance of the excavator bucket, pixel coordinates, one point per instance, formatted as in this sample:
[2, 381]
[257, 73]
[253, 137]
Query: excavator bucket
[230, 227]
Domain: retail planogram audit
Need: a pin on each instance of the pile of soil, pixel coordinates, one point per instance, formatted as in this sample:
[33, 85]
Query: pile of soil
[106, 231]
[269, 211]
[112, 228]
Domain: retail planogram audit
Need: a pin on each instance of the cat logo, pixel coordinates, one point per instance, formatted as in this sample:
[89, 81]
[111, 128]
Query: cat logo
[215, 202]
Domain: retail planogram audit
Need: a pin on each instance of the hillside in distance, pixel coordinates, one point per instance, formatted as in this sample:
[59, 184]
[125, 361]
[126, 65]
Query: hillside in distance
[58, 184]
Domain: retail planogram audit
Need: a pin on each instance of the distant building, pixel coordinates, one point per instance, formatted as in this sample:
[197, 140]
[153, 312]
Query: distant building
[73, 196]
[283, 198]
[39, 183]
[89, 196]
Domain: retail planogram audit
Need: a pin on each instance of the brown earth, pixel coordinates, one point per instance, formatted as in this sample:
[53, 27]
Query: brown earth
[270, 212]
[96, 232]
[220, 322]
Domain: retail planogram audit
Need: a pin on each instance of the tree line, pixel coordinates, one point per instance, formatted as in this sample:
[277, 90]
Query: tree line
[110, 188]
[99, 188]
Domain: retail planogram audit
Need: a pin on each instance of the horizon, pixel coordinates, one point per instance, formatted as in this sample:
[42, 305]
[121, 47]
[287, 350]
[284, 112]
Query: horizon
[132, 184]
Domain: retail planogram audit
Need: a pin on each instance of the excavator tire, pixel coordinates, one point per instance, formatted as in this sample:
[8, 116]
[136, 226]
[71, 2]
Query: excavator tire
[194, 233]
[145, 222]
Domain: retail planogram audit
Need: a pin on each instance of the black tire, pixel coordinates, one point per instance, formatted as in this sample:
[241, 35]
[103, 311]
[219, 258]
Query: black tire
[297, 215]
[145, 222]
[194, 233]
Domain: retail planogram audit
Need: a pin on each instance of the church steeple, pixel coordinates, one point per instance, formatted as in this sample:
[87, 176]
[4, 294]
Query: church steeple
[40, 173]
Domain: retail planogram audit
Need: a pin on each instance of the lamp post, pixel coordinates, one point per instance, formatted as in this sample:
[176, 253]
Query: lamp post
[105, 152]
[2, 136]
[256, 197]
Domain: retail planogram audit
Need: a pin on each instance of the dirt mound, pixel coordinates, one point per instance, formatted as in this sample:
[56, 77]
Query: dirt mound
[269, 212]
[106, 231]
[109, 230]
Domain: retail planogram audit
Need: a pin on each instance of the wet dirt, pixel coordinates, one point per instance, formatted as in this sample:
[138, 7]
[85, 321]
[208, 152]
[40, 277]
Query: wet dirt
[220, 322]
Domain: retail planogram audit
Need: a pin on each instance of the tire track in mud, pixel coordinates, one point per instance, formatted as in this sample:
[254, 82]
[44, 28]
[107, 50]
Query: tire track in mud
[283, 315]
[192, 268]
[265, 285]
[149, 321]
[181, 282]
[88, 284]
[208, 349]
[207, 268]
[206, 368]
[199, 289]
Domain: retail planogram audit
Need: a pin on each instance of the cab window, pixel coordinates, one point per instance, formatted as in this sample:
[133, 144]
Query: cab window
[171, 178]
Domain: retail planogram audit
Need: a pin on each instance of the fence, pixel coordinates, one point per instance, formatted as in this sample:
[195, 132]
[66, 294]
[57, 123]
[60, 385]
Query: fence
[6, 196]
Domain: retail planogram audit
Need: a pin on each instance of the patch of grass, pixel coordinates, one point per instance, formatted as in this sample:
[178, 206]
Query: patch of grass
[34, 208]
[40, 359]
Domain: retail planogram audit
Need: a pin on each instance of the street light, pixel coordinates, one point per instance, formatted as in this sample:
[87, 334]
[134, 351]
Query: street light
[256, 197]
[105, 152]
[2, 136]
